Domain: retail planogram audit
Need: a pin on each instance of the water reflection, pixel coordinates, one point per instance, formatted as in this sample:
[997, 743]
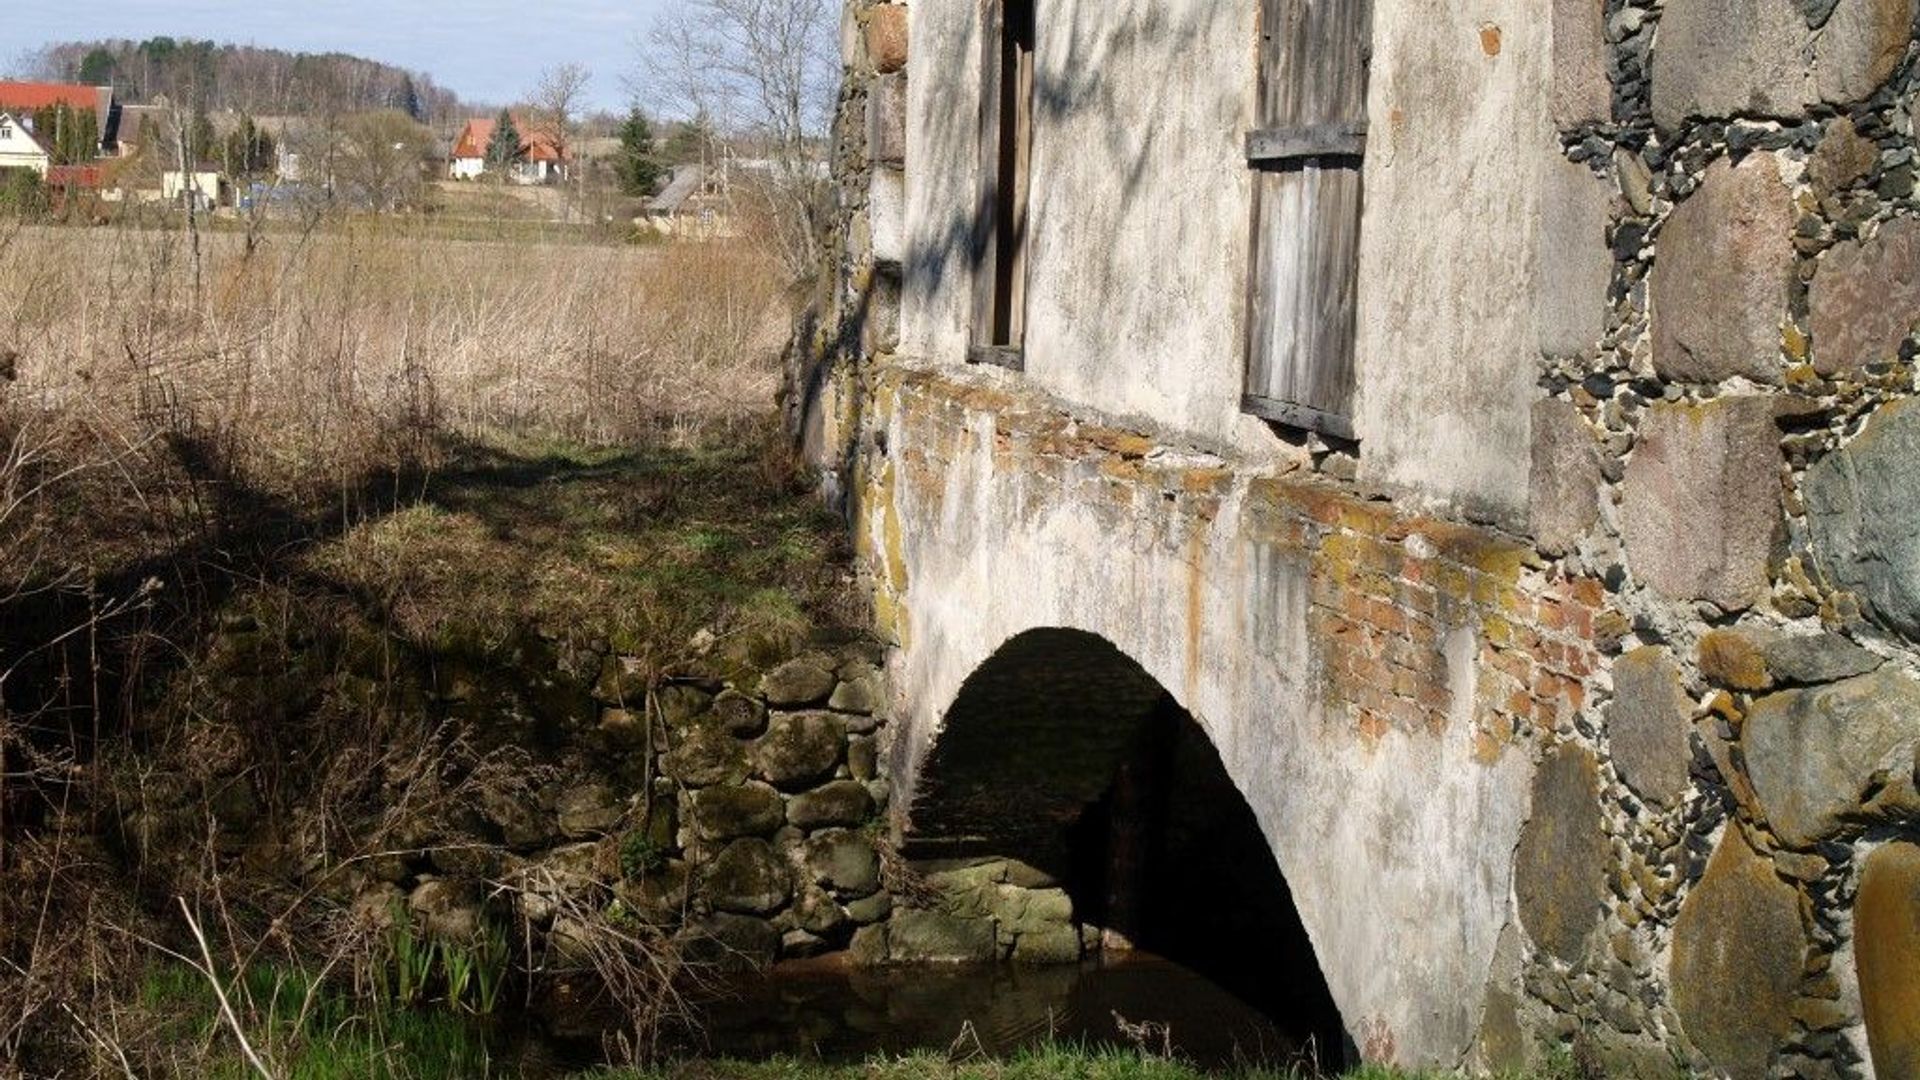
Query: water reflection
[829, 1012]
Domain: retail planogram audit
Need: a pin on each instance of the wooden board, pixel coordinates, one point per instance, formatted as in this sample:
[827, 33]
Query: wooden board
[1314, 57]
[1306, 263]
[1307, 155]
[1000, 216]
[985, 226]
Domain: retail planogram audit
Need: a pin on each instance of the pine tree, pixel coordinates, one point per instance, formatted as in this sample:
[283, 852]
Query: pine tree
[504, 148]
[201, 142]
[249, 150]
[689, 142]
[409, 100]
[97, 68]
[640, 166]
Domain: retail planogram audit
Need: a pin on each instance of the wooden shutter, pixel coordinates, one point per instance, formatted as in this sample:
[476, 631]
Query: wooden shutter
[1306, 155]
[1006, 146]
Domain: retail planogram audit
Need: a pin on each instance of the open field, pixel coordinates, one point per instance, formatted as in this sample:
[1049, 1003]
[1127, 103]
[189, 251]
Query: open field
[297, 364]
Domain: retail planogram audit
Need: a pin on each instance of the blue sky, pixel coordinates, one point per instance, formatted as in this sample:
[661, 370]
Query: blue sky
[484, 50]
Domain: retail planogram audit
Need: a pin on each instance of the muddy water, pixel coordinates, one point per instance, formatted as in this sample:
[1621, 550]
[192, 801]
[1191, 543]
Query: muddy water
[831, 1013]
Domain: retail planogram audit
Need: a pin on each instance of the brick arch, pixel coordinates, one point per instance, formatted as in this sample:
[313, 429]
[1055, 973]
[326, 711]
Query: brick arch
[1065, 753]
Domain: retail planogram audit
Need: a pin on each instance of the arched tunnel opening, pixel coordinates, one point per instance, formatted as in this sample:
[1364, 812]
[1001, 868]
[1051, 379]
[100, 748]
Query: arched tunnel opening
[1064, 754]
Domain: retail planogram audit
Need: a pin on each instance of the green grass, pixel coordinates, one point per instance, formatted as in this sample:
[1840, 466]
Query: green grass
[302, 1031]
[642, 548]
[1042, 1063]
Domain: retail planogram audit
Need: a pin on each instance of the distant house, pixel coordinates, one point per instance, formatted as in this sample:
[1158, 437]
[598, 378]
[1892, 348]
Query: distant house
[19, 149]
[23, 99]
[540, 159]
[294, 139]
[697, 202]
[79, 186]
[138, 122]
[205, 188]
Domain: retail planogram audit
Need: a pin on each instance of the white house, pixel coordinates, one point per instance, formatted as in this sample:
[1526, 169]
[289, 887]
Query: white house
[19, 149]
[540, 158]
[207, 188]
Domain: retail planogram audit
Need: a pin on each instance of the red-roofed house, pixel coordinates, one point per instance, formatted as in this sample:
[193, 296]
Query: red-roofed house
[541, 158]
[23, 99]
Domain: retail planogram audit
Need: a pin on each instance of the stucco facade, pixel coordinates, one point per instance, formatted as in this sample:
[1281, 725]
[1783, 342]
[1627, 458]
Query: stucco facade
[1141, 208]
[19, 149]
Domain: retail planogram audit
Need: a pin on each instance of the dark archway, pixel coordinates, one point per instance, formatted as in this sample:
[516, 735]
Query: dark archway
[1062, 752]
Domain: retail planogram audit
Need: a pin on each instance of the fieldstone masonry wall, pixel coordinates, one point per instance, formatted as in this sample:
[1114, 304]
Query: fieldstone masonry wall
[1704, 653]
[1725, 460]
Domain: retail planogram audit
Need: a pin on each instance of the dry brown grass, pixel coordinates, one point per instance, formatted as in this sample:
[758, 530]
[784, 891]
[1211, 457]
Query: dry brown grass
[176, 419]
[300, 364]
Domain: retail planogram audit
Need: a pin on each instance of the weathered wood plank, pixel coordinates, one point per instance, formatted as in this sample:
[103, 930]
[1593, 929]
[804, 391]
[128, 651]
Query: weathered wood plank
[1314, 61]
[1307, 204]
[1299, 416]
[1307, 262]
[1006, 140]
[1340, 139]
[986, 230]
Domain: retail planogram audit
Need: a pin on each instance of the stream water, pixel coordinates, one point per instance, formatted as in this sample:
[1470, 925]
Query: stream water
[829, 1012]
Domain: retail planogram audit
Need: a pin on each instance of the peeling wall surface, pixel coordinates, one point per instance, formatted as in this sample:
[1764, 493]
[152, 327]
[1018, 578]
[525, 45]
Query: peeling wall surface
[1579, 701]
[1141, 110]
[1397, 838]
[1457, 155]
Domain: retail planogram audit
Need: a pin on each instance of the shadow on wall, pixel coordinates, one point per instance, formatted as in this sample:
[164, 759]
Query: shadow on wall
[1062, 752]
[1098, 39]
[1079, 52]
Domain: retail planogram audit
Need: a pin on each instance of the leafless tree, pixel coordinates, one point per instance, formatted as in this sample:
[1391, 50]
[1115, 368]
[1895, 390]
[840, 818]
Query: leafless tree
[381, 159]
[765, 69]
[557, 102]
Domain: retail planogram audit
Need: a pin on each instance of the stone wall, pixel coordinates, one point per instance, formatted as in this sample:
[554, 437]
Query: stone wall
[1649, 755]
[1731, 458]
[746, 833]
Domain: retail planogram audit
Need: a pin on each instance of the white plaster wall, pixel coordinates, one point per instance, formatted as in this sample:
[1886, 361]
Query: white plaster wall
[1399, 855]
[1141, 215]
[1140, 204]
[1456, 154]
[18, 150]
[943, 94]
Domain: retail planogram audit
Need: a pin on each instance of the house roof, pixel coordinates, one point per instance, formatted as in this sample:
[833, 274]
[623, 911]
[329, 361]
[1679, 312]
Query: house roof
[133, 117]
[684, 184]
[24, 131]
[536, 143]
[29, 96]
[84, 177]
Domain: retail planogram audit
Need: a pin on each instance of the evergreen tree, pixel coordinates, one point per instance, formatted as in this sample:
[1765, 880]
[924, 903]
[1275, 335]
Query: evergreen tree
[97, 67]
[689, 142]
[248, 151]
[202, 144]
[409, 100]
[640, 166]
[504, 148]
[71, 136]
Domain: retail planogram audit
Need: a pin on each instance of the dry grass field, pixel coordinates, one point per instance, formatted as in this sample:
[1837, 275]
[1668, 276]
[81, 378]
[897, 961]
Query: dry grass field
[300, 364]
